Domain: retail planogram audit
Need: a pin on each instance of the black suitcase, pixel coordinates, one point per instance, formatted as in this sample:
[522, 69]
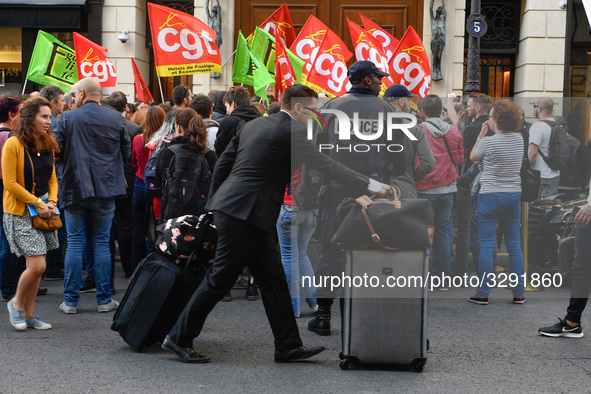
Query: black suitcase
[383, 324]
[159, 290]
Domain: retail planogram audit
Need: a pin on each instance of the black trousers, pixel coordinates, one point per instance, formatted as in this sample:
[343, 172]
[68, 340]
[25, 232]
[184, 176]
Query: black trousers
[581, 285]
[240, 244]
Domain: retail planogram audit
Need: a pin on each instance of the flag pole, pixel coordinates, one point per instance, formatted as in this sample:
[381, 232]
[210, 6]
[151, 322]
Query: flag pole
[24, 87]
[227, 60]
[161, 92]
[266, 87]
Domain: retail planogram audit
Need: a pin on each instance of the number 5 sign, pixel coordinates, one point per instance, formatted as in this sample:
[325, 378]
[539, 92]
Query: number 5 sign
[476, 25]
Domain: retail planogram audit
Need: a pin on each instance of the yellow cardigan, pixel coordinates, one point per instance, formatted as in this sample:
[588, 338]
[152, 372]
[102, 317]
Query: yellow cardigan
[13, 174]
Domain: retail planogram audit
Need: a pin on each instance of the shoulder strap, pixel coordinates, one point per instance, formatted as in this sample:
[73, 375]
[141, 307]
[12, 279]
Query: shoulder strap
[445, 141]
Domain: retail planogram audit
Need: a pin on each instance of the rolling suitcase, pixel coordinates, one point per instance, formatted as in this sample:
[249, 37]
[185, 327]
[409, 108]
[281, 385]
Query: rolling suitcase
[384, 324]
[159, 290]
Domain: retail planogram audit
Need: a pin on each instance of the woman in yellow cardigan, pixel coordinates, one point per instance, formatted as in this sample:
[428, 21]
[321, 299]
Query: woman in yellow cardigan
[28, 154]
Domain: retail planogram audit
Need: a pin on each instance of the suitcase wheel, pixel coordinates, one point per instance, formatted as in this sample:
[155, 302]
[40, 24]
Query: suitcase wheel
[345, 364]
[418, 364]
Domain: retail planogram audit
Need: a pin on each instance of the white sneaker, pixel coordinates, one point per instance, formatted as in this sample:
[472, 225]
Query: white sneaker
[67, 309]
[37, 324]
[109, 306]
[314, 308]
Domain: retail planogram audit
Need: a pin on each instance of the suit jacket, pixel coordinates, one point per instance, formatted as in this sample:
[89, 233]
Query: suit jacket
[250, 177]
[93, 149]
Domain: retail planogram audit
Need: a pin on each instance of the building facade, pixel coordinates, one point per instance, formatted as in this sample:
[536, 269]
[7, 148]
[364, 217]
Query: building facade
[532, 48]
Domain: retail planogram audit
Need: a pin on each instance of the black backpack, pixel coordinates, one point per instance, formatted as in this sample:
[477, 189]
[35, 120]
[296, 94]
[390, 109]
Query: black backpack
[559, 150]
[153, 187]
[187, 183]
[306, 191]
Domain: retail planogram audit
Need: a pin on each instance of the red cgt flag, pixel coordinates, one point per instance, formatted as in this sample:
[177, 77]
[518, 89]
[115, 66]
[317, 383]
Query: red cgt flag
[141, 88]
[183, 44]
[410, 64]
[285, 75]
[325, 55]
[388, 41]
[92, 62]
[367, 47]
[279, 24]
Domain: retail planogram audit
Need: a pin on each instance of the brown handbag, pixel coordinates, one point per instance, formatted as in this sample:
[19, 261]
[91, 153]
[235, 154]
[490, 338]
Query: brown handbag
[48, 224]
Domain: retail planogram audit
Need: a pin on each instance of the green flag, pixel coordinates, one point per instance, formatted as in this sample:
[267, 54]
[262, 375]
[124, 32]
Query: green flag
[263, 46]
[250, 70]
[52, 63]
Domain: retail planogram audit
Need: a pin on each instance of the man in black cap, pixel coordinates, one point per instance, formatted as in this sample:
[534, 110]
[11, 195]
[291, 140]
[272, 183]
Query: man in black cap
[399, 97]
[379, 161]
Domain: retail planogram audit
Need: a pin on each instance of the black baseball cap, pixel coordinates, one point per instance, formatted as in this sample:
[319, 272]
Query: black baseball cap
[398, 91]
[363, 68]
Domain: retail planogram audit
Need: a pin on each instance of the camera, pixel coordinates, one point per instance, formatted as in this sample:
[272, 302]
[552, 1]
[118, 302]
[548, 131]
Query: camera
[562, 4]
[124, 36]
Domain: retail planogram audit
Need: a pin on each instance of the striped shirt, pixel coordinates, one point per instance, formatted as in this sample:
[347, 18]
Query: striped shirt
[502, 155]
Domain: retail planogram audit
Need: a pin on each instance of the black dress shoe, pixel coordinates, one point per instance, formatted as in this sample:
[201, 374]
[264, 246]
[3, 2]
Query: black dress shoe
[42, 291]
[186, 354]
[7, 298]
[297, 354]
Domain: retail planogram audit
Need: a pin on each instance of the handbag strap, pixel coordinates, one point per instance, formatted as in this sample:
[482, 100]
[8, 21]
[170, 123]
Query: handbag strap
[32, 170]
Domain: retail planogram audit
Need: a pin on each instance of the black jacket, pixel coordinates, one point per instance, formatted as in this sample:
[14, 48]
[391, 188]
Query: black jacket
[229, 126]
[250, 178]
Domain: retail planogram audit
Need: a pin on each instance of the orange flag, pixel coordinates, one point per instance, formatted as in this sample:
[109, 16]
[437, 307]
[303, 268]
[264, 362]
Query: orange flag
[410, 64]
[183, 44]
[92, 62]
[325, 55]
[388, 41]
[141, 88]
[367, 47]
[285, 75]
[279, 24]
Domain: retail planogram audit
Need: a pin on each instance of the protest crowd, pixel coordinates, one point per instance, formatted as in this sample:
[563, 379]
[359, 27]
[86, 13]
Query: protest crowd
[91, 181]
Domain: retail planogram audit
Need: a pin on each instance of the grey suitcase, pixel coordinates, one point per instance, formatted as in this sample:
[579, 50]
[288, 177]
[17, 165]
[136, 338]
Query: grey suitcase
[382, 324]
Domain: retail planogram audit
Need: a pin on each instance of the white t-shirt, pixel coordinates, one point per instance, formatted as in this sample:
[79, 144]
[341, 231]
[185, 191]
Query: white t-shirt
[539, 134]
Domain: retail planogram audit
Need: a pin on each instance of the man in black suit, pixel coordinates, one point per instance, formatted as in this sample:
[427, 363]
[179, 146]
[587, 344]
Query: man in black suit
[247, 190]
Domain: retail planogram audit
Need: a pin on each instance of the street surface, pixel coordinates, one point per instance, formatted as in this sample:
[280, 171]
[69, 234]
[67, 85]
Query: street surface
[474, 348]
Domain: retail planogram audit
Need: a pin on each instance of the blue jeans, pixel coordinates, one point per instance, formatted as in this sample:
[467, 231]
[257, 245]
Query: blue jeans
[441, 205]
[504, 209]
[295, 228]
[11, 266]
[96, 215]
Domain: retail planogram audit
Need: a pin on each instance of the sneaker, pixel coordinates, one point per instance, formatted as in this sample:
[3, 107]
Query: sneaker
[17, 317]
[242, 283]
[478, 299]
[88, 285]
[296, 315]
[109, 306]
[37, 324]
[227, 297]
[67, 309]
[443, 288]
[252, 293]
[314, 308]
[7, 298]
[42, 291]
[519, 299]
[55, 275]
[562, 329]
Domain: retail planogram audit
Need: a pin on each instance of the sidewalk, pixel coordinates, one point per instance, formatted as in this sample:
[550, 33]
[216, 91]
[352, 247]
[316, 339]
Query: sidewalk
[474, 348]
